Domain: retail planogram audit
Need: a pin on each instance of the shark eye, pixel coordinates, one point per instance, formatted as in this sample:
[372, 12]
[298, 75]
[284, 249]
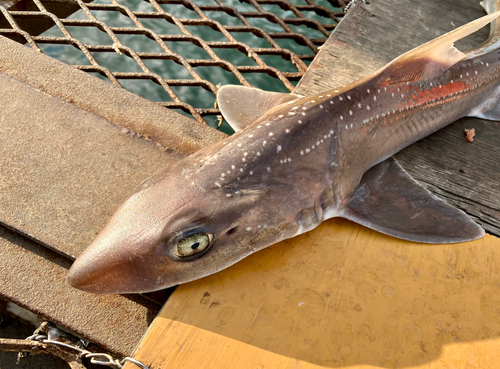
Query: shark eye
[193, 245]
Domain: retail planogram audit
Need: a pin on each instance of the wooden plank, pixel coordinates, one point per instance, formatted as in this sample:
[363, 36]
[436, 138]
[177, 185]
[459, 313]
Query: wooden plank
[465, 175]
[341, 295]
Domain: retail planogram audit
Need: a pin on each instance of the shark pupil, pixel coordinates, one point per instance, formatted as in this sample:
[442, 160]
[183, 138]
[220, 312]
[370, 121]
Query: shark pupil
[194, 246]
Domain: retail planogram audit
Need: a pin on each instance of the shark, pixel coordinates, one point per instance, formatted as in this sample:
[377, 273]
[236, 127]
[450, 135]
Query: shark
[296, 161]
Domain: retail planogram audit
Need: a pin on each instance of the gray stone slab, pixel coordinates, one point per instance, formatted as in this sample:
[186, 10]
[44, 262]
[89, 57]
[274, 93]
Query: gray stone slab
[34, 277]
[65, 170]
[173, 130]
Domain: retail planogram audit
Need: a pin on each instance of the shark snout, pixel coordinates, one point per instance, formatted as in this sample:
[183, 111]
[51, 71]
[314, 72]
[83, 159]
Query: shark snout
[114, 264]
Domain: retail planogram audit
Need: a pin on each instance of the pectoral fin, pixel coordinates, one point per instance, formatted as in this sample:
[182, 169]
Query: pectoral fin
[241, 106]
[389, 201]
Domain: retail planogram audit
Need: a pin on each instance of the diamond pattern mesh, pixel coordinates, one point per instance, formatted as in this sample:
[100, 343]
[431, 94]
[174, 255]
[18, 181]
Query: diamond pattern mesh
[176, 52]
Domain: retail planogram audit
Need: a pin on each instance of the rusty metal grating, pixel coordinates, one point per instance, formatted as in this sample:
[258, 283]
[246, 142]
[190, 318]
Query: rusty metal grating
[165, 50]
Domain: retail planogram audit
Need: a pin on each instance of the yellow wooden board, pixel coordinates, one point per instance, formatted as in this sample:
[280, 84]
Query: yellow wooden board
[340, 296]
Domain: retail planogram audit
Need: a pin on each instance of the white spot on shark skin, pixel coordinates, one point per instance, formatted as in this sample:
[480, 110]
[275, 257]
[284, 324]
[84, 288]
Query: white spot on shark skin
[245, 153]
[308, 151]
[295, 107]
[223, 174]
[289, 160]
[301, 152]
[346, 127]
[258, 153]
[317, 143]
[487, 64]
[270, 133]
[331, 132]
[249, 229]
[251, 173]
[368, 90]
[229, 195]
[250, 136]
[351, 125]
[228, 171]
[461, 76]
[303, 113]
[264, 143]
[301, 303]
[239, 145]
[268, 124]
[278, 149]
[348, 97]
[359, 105]
[243, 159]
[341, 117]
[331, 102]
[374, 98]
[350, 112]
[304, 108]
[241, 170]
[268, 169]
[287, 130]
[367, 107]
[340, 98]
[313, 101]
[280, 116]
[475, 72]
[300, 122]
[321, 106]
[233, 167]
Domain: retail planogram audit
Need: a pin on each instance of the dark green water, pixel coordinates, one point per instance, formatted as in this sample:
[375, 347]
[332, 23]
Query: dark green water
[168, 69]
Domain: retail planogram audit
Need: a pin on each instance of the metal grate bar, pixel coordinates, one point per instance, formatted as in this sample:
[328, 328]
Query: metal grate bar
[179, 30]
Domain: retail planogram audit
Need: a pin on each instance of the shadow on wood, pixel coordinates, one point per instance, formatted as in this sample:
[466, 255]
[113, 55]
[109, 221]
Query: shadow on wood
[339, 295]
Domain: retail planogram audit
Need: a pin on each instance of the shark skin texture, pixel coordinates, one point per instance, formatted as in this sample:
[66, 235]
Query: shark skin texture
[294, 162]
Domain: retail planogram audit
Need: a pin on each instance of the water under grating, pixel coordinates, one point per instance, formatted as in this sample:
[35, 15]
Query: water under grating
[176, 52]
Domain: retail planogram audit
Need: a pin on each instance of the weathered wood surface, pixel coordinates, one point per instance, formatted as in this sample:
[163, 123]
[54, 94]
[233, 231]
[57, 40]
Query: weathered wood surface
[342, 295]
[465, 175]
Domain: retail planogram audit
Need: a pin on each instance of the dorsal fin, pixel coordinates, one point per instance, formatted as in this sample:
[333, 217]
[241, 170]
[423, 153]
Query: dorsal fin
[434, 57]
[241, 106]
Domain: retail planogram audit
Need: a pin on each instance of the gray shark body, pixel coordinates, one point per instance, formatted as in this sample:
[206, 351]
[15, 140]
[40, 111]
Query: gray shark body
[294, 162]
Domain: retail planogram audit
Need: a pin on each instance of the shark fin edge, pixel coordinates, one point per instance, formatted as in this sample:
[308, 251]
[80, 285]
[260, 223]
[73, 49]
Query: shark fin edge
[241, 106]
[489, 108]
[433, 58]
[390, 201]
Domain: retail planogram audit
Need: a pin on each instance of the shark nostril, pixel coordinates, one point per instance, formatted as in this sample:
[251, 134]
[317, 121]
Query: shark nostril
[231, 231]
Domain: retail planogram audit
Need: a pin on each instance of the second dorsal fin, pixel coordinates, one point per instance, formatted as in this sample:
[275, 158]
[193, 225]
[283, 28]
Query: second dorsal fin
[434, 57]
[241, 106]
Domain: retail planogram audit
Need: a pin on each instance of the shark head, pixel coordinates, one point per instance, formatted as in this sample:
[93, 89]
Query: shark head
[178, 228]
